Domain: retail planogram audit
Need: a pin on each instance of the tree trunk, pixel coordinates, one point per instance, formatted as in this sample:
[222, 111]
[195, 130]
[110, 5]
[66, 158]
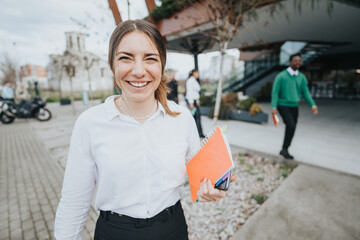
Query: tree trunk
[219, 90]
[61, 73]
[72, 96]
[90, 89]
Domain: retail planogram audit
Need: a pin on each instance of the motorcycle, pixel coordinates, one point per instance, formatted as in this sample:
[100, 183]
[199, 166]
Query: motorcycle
[34, 108]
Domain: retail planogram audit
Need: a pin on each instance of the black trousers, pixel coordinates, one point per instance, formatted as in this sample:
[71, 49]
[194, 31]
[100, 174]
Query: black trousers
[197, 118]
[115, 227]
[289, 116]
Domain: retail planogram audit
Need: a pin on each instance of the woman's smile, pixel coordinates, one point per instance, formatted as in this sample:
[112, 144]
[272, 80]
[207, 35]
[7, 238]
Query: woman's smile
[138, 84]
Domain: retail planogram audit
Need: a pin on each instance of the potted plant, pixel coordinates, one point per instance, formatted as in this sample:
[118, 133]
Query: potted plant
[249, 111]
[65, 101]
[206, 104]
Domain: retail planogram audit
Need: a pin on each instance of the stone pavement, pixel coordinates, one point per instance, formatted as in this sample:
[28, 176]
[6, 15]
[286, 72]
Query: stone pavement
[31, 179]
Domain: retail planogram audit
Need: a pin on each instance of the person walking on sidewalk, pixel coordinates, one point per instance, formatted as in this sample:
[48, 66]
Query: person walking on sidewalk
[133, 147]
[193, 97]
[288, 87]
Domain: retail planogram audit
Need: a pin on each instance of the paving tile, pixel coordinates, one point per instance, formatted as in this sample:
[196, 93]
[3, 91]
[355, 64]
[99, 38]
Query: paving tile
[14, 225]
[86, 235]
[27, 224]
[4, 224]
[4, 234]
[49, 216]
[42, 234]
[29, 234]
[37, 216]
[40, 225]
[50, 225]
[16, 234]
[25, 215]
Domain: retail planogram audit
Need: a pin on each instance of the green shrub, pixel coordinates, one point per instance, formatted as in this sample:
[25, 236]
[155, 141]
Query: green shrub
[207, 101]
[103, 99]
[169, 7]
[224, 111]
[245, 105]
[231, 99]
[259, 198]
[52, 99]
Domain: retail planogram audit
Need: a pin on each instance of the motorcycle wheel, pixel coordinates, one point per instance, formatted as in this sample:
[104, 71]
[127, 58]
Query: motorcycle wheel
[43, 115]
[5, 119]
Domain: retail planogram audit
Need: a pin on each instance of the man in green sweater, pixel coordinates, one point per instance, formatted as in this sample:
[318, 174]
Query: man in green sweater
[288, 87]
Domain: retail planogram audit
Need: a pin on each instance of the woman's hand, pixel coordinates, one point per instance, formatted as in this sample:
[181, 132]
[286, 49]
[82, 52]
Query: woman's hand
[207, 193]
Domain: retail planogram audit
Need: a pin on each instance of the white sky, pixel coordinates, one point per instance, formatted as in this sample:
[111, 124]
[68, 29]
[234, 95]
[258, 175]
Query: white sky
[30, 30]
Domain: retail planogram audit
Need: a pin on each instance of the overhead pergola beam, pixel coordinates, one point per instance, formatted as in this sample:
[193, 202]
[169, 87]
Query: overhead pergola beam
[150, 4]
[115, 11]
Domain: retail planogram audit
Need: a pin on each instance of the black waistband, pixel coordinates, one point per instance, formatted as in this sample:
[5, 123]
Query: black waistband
[141, 222]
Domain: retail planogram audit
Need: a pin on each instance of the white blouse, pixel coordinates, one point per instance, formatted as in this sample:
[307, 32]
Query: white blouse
[138, 168]
[192, 90]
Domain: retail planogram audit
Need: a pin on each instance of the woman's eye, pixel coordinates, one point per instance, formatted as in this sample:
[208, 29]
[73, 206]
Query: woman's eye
[124, 58]
[151, 59]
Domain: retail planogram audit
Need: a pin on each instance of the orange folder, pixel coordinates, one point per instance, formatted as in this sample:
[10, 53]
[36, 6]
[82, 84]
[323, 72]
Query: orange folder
[212, 161]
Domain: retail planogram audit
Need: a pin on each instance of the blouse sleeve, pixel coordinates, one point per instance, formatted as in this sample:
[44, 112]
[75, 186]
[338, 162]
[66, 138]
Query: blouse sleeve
[78, 186]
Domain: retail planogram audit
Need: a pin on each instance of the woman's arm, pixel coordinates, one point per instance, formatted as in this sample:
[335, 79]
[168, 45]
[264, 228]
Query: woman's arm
[78, 186]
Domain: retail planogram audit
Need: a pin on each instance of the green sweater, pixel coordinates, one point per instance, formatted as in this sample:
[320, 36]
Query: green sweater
[287, 90]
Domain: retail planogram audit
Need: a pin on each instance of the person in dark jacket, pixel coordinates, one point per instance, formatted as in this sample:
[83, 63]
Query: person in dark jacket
[173, 85]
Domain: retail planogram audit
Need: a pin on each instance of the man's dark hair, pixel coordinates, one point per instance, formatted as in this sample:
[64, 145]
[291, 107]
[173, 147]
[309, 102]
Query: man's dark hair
[294, 55]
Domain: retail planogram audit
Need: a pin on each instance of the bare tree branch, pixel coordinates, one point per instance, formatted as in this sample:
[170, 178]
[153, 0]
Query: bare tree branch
[8, 68]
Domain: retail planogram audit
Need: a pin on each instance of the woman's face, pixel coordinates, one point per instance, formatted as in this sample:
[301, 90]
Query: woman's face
[196, 74]
[137, 67]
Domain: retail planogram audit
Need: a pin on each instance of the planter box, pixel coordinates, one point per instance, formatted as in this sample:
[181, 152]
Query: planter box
[205, 111]
[65, 101]
[246, 117]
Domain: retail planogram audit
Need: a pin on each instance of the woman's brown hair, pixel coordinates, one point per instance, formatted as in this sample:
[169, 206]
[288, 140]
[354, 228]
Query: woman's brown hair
[155, 36]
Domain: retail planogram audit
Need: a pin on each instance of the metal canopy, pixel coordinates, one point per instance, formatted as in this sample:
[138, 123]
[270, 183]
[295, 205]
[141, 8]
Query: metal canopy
[313, 24]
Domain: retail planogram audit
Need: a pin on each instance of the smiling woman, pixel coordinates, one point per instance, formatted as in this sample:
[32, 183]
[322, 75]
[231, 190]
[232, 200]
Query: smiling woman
[133, 147]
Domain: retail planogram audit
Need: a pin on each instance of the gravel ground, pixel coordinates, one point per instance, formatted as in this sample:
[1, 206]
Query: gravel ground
[257, 178]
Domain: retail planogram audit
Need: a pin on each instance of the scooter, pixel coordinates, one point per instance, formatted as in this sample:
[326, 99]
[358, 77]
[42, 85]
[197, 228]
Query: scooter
[34, 108]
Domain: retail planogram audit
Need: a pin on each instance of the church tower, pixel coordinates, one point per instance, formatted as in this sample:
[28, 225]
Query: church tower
[75, 41]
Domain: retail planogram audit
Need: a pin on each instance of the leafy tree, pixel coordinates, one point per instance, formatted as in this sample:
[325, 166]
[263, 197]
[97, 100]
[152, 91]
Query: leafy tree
[168, 7]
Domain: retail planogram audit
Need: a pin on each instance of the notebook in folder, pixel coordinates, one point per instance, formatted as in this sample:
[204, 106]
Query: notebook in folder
[275, 119]
[213, 161]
